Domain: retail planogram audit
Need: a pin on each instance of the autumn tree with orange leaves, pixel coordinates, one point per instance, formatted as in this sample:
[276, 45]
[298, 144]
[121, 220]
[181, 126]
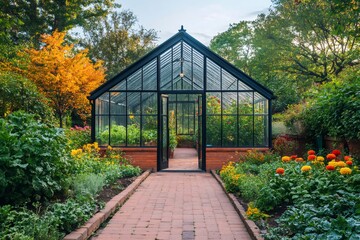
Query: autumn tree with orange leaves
[63, 76]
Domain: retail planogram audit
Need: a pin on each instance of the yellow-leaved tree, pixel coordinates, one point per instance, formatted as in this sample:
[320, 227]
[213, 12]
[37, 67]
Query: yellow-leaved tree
[64, 76]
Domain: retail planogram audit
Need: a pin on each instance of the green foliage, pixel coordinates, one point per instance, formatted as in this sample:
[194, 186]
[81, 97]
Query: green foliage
[88, 184]
[118, 33]
[18, 93]
[32, 160]
[335, 109]
[27, 22]
[78, 136]
[23, 224]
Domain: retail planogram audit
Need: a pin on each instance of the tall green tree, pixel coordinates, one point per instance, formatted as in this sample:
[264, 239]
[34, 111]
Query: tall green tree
[37, 17]
[117, 40]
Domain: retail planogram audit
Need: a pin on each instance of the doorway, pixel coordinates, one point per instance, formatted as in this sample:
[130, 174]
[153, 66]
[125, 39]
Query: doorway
[180, 134]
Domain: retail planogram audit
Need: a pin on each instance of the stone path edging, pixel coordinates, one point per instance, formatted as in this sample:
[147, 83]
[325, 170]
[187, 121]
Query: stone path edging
[85, 231]
[253, 230]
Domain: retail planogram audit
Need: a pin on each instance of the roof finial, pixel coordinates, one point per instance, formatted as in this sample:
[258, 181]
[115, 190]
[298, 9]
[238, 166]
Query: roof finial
[182, 29]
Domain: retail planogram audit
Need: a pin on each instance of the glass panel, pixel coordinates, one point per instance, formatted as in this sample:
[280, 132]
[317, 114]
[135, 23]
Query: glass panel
[213, 103]
[118, 131]
[243, 86]
[149, 103]
[260, 131]
[102, 130]
[133, 103]
[260, 104]
[246, 103]
[120, 86]
[149, 130]
[213, 131]
[229, 129]
[118, 103]
[134, 81]
[133, 131]
[149, 76]
[102, 104]
[229, 102]
[245, 131]
[229, 82]
[213, 75]
[198, 70]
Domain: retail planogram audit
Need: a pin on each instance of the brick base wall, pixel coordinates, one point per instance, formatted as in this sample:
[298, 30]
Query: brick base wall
[217, 157]
[145, 158]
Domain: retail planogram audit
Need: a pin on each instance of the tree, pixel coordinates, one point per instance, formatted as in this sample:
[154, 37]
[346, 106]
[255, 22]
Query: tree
[36, 17]
[64, 77]
[18, 93]
[117, 41]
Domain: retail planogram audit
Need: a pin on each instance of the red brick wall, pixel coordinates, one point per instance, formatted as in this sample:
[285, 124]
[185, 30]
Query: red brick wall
[216, 157]
[145, 158]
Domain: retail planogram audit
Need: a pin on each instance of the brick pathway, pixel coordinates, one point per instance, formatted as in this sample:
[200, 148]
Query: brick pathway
[184, 159]
[176, 206]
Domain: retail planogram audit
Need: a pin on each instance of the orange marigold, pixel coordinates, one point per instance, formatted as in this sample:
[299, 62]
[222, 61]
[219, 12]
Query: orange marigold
[348, 158]
[299, 160]
[336, 152]
[293, 157]
[280, 171]
[330, 167]
[349, 162]
[311, 157]
[286, 159]
[330, 156]
[311, 152]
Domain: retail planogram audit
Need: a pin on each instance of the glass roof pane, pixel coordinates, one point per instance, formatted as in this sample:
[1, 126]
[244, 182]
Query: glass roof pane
[213, 75]
[120, 86]
[118, 103]
[229, 102]
[165, 68]
[134, 80]
[150, 75]
[229, 82]
[243, 86]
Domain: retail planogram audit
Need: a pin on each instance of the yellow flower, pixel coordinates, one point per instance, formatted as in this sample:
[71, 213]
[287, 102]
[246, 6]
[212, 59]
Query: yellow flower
[109, 148]
[305, 168]
[286, 159]
[131, 116]
[76, 152]
[341, 164]
[345, 171]
[320, 159]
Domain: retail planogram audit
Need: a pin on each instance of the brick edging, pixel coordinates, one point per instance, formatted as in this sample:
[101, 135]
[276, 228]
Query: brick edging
[86, 230]
[253, 230]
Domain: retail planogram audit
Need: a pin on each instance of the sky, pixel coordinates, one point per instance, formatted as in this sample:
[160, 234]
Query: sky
[203, 19]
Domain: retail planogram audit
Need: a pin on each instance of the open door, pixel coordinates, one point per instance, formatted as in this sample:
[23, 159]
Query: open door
[199, 138]
[164, 132]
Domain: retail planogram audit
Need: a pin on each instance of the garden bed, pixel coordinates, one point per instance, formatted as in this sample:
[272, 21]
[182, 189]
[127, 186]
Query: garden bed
[292, 198]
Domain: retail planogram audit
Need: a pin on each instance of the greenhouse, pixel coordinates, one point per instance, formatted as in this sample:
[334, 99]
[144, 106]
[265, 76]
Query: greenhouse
[181, 94]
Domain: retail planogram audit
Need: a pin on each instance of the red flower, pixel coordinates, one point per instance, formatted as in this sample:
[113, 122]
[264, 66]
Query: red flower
[330, 156]
[311, 157]
[336, 152]
[280, 171]
[293, 157]
[347, 158]
[349, 163]
[311, 152]
[330, 167]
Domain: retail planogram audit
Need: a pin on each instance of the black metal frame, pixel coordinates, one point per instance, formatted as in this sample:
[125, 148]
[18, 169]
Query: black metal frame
[183, 38]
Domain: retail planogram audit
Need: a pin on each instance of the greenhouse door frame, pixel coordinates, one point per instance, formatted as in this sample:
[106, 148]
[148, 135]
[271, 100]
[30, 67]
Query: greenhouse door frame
[202, 150]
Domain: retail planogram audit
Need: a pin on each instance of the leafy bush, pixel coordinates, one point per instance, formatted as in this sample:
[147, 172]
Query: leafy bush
[78, 136]
[18, 93]
[321, 195]
[32, 159]
[23, 224]
[88, 184]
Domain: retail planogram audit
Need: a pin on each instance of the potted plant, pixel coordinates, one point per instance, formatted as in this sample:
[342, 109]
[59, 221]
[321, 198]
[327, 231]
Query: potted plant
[172, 144]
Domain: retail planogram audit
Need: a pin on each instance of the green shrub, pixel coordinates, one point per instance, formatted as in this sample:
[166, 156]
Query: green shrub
[20, 223]
[32, 159]
[88, 184]
[78, 136]
[18, 93]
